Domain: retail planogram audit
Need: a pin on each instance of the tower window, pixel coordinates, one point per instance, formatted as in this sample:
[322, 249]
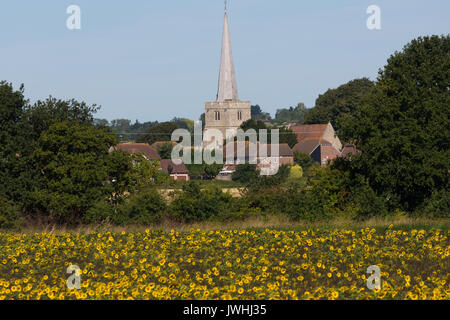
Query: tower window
[239, 115]
[217, 115]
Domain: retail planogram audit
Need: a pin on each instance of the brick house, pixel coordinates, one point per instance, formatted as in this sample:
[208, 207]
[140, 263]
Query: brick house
[177, 172]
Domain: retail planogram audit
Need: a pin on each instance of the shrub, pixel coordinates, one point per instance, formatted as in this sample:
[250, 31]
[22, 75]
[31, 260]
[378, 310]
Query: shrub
[194, 204]
[296, 172]
[9, 215]
[145, 207]
[437, 206]
[142, 208]
[367, 203]
[303, 159]
[245, 173]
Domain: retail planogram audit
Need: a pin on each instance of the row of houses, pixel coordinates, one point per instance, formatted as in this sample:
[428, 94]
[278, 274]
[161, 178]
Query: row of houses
[317, 140]
[175, 171]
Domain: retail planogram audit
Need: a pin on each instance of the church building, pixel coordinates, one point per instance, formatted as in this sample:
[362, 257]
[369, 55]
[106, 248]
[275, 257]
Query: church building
[227, 113]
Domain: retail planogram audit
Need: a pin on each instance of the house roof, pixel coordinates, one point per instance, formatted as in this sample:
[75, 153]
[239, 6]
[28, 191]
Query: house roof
[327, 151]
[349, 149]
[309, 145]
[284, 149]
[158, 144]
[136, 148]
[309, 131]
[176, 168]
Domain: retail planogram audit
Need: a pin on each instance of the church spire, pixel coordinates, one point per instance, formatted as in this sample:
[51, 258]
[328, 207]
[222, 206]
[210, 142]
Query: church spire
[227, 77]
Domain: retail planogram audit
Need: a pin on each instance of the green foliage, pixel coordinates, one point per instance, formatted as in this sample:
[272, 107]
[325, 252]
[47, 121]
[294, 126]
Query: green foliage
[403, 129]
[194, 204]
[258, 114]
[296, 172]
[245, 173]
[9, 215]
[367, 203]
[285, 135]
[291, 114]
[303, 159]
[144, 208]
[335, 104]
[165, 151]
[72, 159]
[160, 132]
[437, 206]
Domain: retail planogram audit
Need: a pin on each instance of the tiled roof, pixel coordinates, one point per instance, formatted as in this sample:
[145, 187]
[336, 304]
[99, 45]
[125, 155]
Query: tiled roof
[309, 131]
[349, 149]
[329, 152]
[135, 148]
[176, 168]
[309, 145]
[284, 149]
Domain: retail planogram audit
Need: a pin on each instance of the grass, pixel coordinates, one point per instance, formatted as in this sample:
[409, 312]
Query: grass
[271, 222]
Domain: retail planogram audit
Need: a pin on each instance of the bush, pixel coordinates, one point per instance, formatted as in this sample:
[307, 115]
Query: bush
[9, 215]
[367, 203]
[193, 204]
[245, 173]
[303, 159]
[296, 172]
[143, 208]
[437, 206]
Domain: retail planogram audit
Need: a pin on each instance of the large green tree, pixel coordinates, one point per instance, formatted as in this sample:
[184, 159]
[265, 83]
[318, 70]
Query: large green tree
[337, 103]
[73, 161]
[403, 129]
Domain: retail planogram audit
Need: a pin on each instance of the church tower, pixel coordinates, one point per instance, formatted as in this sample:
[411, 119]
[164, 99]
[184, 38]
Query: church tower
[227, 112]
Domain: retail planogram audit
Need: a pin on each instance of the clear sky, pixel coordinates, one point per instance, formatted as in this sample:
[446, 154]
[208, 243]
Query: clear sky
[153, 60]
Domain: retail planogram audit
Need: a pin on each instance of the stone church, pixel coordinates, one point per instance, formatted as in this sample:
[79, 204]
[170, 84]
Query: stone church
[227, 112]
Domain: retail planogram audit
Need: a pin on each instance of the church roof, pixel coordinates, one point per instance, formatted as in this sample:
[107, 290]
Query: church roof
[227, 78]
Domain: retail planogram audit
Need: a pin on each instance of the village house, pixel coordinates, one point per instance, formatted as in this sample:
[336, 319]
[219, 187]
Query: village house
[177, 172]
[278, 155]
[321, 143]
[139, 148]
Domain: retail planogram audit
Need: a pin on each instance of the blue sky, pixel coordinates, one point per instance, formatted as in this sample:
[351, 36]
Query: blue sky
[153, 60]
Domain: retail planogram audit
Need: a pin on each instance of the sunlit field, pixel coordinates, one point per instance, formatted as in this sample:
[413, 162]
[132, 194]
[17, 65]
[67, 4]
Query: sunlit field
[233, 264]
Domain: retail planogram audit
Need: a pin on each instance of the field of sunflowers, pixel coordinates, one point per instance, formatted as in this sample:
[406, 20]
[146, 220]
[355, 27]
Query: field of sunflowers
[233, 264]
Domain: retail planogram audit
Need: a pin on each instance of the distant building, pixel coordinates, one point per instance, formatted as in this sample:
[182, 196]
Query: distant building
[251, 154]
[317, 131]
[319, 149]
[139, 148]
[227, 112]
[177, 172]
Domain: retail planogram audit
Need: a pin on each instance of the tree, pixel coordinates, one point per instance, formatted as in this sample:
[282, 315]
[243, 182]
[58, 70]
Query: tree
[245, 173]
[291, 113]
[73, 161]
[403, 128]
[160, 132]
[165, 150]
[287, 136]
[303, 159]
[336, 103]
[258, 114]
[12, 104]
